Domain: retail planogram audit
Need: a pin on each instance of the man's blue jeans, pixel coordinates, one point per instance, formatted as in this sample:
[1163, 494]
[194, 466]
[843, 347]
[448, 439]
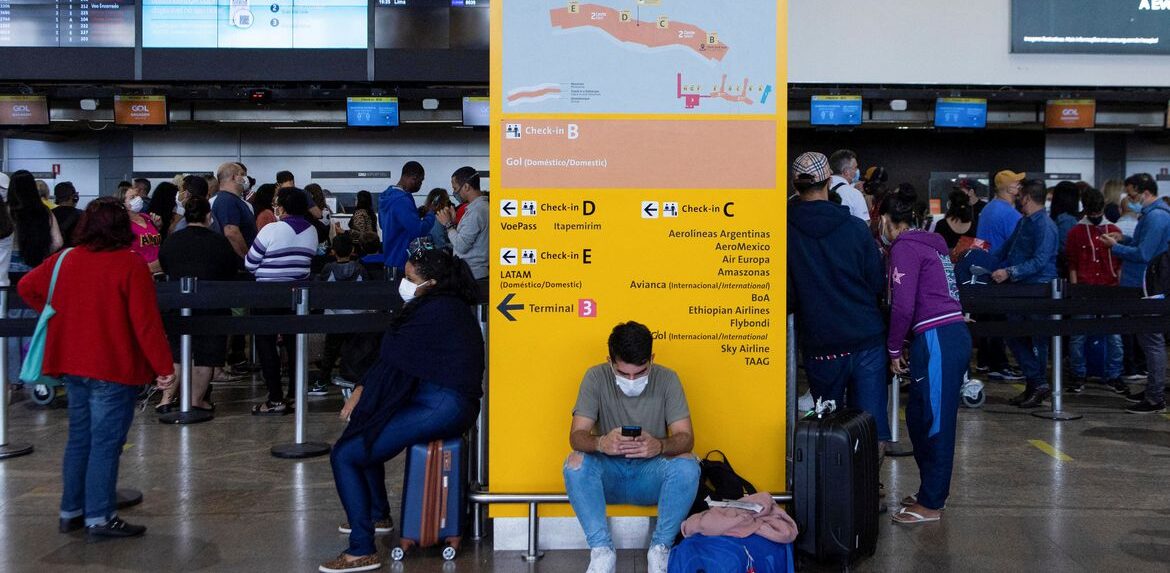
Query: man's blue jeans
[1114, 356]
[858, 380]
[1031, 353]
[433, 413]
[100, 414]
[668, 482]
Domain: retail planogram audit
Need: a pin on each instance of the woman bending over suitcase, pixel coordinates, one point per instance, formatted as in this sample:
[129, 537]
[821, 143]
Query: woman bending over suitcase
[924, 307]
[425, 386]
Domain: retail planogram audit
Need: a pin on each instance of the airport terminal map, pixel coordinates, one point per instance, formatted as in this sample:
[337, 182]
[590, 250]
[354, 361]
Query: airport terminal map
[639, 56]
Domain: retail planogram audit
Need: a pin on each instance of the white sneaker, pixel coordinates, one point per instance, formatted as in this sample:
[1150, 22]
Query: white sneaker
[603, 560]
[806, 402]
[657, 558]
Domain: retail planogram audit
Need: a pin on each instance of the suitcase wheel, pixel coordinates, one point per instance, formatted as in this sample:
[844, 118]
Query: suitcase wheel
[397, 553]
[976, 401]
[43, 394]
[449, 553]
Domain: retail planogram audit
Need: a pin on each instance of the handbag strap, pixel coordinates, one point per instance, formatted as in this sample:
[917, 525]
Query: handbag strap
[56, 270]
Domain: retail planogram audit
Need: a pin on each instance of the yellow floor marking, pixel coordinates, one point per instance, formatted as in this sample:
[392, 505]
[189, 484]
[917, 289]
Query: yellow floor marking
[1019, 387]
[1046, 448]
[902, 414]
[1167, 416]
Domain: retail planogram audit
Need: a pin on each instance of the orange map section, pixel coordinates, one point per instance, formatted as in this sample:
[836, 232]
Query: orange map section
[635, 31]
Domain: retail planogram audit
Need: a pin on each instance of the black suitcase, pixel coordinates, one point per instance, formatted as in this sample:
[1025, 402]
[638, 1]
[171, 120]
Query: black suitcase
[835, 458]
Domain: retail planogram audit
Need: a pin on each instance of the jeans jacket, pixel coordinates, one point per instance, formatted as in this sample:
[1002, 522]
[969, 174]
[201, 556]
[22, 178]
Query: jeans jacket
[1031, 250]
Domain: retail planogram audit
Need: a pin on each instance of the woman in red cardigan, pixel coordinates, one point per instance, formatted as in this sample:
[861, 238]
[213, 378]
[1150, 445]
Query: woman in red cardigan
[106, 341]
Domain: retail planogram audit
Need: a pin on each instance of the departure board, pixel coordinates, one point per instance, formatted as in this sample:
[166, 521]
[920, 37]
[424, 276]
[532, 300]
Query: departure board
[316, 24]
[431, 24]
[67, 24]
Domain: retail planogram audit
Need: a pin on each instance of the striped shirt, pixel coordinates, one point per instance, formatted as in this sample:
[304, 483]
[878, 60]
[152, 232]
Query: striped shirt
[283, 251]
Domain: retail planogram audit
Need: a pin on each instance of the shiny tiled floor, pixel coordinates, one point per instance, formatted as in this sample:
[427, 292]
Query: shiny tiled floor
[215, 500]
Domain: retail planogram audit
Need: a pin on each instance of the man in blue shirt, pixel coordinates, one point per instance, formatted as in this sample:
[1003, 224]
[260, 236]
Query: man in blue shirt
[997, 222]
[400, 218]
[1030, 258]
[1149, 241]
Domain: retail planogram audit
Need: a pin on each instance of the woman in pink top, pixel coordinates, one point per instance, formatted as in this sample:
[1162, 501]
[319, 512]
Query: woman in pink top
[147, 239]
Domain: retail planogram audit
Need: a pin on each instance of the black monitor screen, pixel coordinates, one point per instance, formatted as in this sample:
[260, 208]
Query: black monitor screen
[1090, 26]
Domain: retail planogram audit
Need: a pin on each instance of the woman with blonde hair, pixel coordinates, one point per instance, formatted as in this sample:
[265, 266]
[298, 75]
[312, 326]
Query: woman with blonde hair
[1113, 190]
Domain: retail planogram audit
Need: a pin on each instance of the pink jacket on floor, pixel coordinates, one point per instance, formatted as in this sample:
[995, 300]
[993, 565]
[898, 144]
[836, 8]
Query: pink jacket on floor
[773, 523]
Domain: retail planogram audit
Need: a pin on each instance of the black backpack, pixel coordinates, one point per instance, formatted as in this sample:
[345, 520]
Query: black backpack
[719, 481]
[1157, 279]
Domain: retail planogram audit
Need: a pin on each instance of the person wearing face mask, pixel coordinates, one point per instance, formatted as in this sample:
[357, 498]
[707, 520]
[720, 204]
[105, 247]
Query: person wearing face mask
[1090, 262]
[399, 216]
[469, 238]
[416, 392]
[846, 182]
[229, 209]
[282, 252]
[924, 307]
[835, 280]
[1149, 241]
[608, 465]
[147, 238]
[1030, 258]
[996, 224]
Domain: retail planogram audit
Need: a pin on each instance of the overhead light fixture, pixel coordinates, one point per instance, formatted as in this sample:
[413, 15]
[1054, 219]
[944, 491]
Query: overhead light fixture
[898, 105]
[89, 104]
[430, 104]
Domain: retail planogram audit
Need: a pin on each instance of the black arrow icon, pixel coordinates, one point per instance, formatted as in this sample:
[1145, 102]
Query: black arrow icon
[650, 209]
[508, 256]
[508, 208]
[504, 307]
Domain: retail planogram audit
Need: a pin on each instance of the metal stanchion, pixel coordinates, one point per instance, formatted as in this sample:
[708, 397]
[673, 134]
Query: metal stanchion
[893, 448]
[478, 515]
[1057, 412]
[185, 415]
[301, 448]
[533, 554]
[7, 450]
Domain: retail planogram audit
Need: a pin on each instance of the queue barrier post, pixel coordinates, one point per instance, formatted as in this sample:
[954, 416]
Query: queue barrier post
[479, 449]
[893, 448]
[7, 450]
[186, 415]
[1057, 413]
[301, 449]
[790, 395]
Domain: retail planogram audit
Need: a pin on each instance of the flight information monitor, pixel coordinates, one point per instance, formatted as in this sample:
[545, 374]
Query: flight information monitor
[960, 112]
[371, 111]
[313, 24]
[431, 24]
[477, 111]
[67, 24]
[835, 110]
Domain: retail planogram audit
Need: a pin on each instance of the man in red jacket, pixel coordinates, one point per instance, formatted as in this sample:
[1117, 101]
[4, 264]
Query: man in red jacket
[1091, 262]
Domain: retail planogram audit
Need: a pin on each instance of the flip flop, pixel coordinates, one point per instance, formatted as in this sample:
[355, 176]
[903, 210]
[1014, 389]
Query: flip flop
[907, 517]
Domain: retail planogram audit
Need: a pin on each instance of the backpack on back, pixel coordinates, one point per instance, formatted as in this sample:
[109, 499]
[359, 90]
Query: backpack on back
[1157, 280]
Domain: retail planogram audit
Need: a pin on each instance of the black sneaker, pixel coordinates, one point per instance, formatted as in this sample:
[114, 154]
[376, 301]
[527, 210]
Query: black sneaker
[1136, 398]
[1140, 375]
[319, 389]
[1117, 386]
[71, 524]
[1076, 385]
[115, 528]
[1147, 408]
[1021, 398]
[1005, 374]
[981, 368]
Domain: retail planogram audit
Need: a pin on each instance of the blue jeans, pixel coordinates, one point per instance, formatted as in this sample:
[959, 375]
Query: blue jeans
[667, 482]
[433, 413]
[100, 414]
[1114, 356]
[1031, 353]
[858, 380]
[939, 358]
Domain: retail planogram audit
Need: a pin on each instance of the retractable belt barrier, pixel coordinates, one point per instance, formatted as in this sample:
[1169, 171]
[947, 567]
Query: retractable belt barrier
[179, 302]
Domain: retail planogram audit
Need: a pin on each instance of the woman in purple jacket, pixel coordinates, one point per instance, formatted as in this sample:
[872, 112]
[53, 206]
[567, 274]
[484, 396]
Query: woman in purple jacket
[924, 300]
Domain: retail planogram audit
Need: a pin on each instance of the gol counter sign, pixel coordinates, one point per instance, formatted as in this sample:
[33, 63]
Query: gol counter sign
[1070, 114]
[637, 154]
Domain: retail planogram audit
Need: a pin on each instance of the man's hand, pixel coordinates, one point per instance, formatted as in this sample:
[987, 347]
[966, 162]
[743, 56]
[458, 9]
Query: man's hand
[641, 447]
[1109, 239]
[1002, 275]
[611, 444]
[898, 365]
[446, 216]
[165, 382]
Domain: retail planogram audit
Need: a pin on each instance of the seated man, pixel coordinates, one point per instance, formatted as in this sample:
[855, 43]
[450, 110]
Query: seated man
[653, 468]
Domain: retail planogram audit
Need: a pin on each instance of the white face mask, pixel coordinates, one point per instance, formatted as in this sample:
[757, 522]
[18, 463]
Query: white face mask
[135, 204]
[407, 289]
[245, 184]
[632, 388]
[179, 210]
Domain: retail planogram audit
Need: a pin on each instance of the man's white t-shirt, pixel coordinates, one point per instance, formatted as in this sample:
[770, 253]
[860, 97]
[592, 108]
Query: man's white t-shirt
[850, 197]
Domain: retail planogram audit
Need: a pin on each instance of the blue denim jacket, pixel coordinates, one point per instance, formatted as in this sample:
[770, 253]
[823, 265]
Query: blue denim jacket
[1149, 240]
[1031, 250]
